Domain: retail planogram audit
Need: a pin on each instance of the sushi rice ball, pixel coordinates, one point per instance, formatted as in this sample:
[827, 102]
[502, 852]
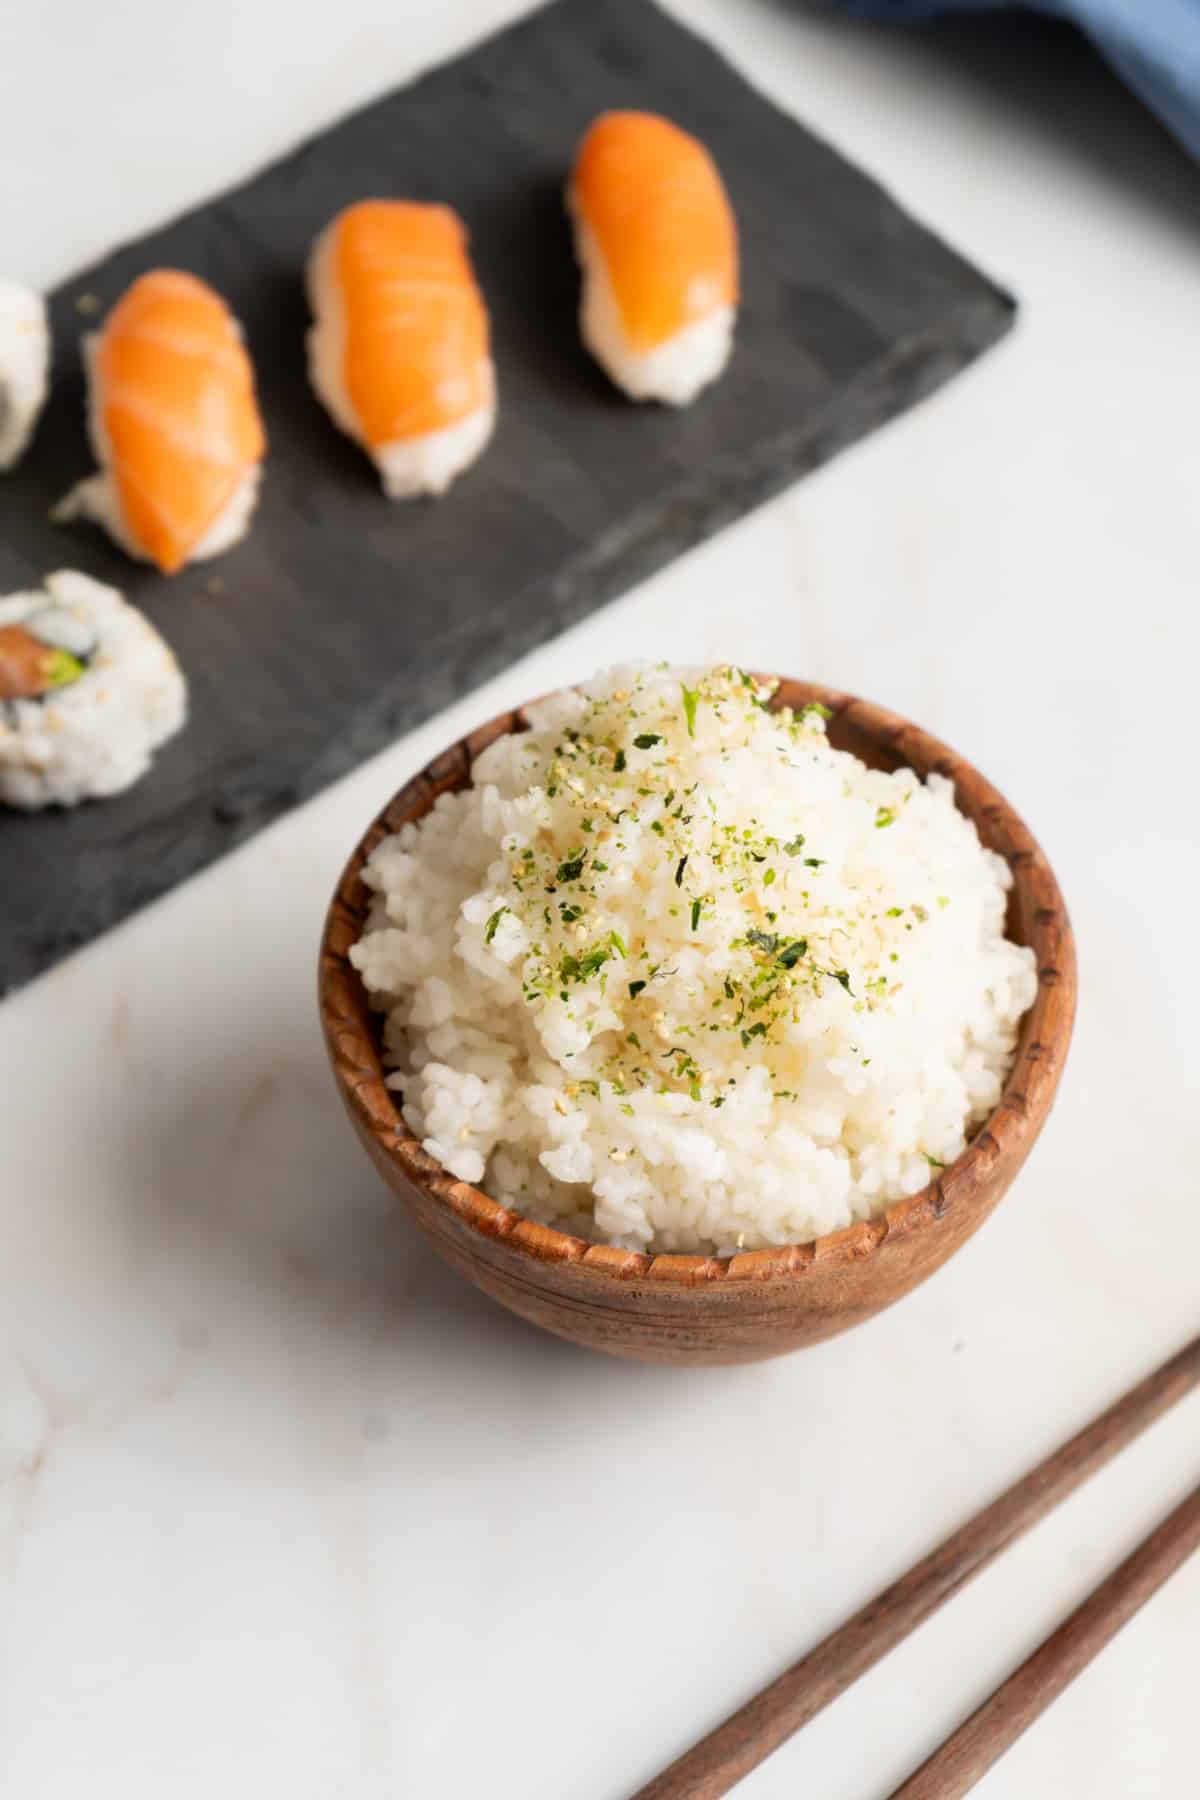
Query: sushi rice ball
[88, 692]
[399, 350]
[657, 243]
[174, 424]
[24, 367]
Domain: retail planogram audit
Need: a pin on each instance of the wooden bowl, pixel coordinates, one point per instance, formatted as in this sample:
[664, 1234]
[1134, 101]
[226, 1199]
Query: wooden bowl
[708, 1309]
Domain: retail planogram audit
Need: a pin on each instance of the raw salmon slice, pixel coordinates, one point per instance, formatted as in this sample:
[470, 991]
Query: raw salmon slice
[656, 208]
[416, 327]
[399, 352]
[174, 421]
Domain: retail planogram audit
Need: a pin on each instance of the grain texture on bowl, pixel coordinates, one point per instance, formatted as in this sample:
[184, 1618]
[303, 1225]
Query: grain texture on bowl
[676, 974]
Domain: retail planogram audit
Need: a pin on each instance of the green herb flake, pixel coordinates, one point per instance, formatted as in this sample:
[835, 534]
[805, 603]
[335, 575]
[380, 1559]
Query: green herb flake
[842, 975]
[646, 740]
[769, 878]
[690, 697]
[884, 816]
[619, 762]
[894, 912]
[695, 913]
[795, 846]
[932, 1160]
[791, 953]
[635, 988]
[767, 941]
[679, 868]
[627, 1110]
[493, 922]
[814, 862]
[572, 869]
[814, 707]
[618, 943]
[694, 1091]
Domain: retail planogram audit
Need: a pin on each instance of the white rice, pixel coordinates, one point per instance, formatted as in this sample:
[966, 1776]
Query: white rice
[24, 367]
[755, 1046]
[97, 735]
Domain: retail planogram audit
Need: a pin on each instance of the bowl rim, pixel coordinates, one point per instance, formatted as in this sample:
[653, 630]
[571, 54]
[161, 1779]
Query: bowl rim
[1006, 1134]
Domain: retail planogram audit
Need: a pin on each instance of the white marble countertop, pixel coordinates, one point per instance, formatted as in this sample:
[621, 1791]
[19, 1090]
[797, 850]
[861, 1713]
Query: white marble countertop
[285, 1509]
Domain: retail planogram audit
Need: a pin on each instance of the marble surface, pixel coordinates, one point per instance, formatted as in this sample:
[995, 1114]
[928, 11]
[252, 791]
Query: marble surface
[286, 1509]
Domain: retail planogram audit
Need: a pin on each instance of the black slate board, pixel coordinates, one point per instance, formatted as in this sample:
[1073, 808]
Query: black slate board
[343, 620]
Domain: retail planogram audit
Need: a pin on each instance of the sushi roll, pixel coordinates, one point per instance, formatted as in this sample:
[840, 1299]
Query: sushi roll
[88, 692]
[173, 422]
[656, 240]
[24, 367]
[399, 349]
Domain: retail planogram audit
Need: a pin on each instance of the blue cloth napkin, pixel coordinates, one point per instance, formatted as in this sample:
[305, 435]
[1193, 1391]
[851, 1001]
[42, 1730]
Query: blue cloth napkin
[1153, 44]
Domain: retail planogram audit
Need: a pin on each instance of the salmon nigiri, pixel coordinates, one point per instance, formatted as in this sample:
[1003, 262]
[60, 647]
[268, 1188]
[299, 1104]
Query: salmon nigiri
[399, 348]
[173, 422]
[655, 237]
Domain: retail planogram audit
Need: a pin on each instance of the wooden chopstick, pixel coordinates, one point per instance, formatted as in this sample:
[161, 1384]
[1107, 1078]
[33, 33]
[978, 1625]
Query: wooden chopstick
[969, 1753]
[714, 1764]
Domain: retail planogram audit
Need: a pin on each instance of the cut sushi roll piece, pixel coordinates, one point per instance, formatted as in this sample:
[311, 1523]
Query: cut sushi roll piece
[656, 240]
[174, 424]
[24, 367]
[88, 692]
[399, 350]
